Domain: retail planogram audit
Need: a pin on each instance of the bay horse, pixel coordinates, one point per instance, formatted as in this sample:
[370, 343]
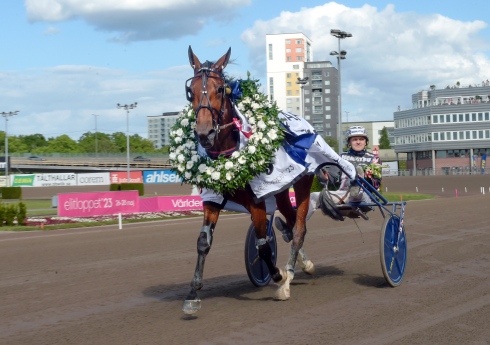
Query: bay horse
[217, 134]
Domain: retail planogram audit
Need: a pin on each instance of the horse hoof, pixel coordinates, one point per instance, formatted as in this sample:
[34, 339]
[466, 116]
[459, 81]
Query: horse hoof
[284, 276]
[191, 306]
[309, 267]
[282, 293]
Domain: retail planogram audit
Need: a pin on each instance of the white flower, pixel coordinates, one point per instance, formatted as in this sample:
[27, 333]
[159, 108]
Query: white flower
[188, 175]
[251, 149]
[209, 170]
[178, 139]
[202, 168]
[251, 120]
[194, 157]
[264, 141]
[229, 176]
[228, 165]
[181, 158]
[235, 154]
[215, 175]
[181, 168]
[179, 132]
[184, 122]
[272, 135]
[189, 165]
[242, 160]
[261, 125]
[172, 156]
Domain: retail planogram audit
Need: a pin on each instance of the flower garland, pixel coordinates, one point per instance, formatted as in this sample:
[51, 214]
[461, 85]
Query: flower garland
[225, 175]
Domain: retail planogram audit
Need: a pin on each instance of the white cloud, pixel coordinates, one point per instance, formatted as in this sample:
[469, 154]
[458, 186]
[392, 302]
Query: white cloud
[137, 20]
[390, 54]
[60, 100]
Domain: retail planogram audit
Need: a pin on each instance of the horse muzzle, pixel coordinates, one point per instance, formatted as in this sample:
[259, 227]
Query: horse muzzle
[207, 140]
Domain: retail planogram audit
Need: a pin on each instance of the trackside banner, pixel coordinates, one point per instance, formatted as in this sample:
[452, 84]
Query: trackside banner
[44, 180]
[160, 176]
[94, 179]
[122, 177]
[97, 203]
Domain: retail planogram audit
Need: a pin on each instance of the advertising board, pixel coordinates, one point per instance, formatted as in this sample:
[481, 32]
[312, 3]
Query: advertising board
[122, 177]
[97, 203]
[94, 179]
[160, 176]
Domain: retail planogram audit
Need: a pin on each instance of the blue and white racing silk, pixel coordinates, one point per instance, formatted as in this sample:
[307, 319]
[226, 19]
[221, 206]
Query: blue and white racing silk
[302, 152]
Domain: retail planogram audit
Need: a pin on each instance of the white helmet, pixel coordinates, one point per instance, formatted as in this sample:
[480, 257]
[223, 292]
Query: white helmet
[356, 131]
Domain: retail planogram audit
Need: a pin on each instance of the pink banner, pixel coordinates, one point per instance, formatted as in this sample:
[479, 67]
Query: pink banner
[97, 203]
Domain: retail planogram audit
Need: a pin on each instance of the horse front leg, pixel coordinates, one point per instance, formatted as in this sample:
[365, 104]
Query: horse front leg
[192, 303]
[302, 193]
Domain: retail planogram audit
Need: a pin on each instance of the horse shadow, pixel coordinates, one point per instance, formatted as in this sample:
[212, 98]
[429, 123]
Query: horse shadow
[236, 286]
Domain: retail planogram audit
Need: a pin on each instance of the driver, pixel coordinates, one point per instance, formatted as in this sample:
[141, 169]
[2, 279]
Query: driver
[367, 166]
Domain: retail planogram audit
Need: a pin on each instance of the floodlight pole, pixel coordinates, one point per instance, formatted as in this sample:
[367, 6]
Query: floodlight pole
[302, 82]
[6, 116]
[127, 108]
[96, 148]
[340, 56]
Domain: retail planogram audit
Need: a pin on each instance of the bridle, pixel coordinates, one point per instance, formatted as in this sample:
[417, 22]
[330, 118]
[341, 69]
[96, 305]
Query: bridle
[205, 74]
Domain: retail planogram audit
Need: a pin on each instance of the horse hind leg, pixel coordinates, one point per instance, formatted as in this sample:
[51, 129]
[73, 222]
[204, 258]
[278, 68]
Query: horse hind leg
[192, 302]
[265, 253]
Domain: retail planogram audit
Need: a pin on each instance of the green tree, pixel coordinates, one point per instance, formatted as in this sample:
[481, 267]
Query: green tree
[60, 144]
[332, 142]
[384, 142]
[33, 141]
[104, 143]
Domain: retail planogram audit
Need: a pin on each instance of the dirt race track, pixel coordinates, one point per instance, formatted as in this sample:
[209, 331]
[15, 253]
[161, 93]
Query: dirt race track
[109, 286]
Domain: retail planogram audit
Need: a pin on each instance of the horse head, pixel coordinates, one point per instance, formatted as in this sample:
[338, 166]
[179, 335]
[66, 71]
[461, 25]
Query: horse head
[206, 90]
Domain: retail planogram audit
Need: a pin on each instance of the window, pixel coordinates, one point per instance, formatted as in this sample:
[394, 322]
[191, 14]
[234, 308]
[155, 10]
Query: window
[443, 136]
[295, 66]
[327, 82]
[461, 117]
[299, 50]
[486, 116]
[299, 58]
[289, 100]
[436, 136]
[467, 117]
[288, 75]
[475, 135]
[270, 52]
[288, 83]
[473, 117]
[455, 135]
[289, 92]
[288, 50]
[461, 135]
[441, 118]
[288, 41]
[327, 99]
[327, 90]
[480, 134]
[448, 118]
[435, 119]
[328, 117]
[480, 116]
[441, 154]
[455, 117]
[299, 41]
[468, 135]
[327, 107]
[288, 58]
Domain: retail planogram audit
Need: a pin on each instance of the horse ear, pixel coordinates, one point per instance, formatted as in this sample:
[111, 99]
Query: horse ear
[193, 59]
[223, 61]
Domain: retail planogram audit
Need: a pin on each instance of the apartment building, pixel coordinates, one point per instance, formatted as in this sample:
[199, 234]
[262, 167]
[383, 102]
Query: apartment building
[159, 128]
[286, 55]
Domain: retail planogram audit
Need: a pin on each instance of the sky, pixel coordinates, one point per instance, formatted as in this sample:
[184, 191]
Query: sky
[66, 64]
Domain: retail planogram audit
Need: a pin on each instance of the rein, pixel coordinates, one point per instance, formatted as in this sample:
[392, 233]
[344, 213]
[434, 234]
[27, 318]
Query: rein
[204, 74]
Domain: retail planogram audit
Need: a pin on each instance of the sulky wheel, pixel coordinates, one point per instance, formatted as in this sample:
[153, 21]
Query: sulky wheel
[257, 270]
[393, 250]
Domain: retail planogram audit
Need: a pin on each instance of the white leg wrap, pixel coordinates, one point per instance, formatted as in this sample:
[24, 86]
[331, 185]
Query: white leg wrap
[306, 265]
[283, 292]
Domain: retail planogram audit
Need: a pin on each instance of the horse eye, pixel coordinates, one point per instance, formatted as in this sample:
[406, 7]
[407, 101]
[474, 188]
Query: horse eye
[220, 89]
